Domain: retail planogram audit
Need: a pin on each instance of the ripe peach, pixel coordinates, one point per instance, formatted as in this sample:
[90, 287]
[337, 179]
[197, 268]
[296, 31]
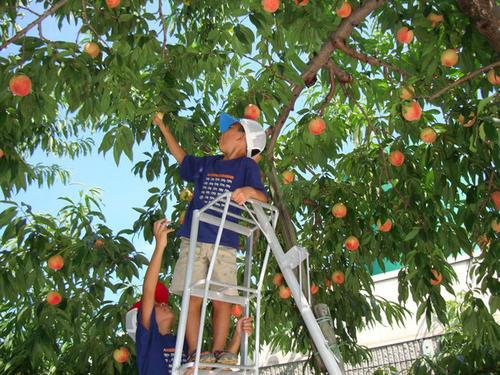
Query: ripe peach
[301, 3]
[20, 85]
[338, 277]
[436, 277]
[314, 289]
[112, 3]
[470, 121]
[285, 292]
[396, 158]
[182, 216]
[121, 354]
[495, 225]
[236, 311]
[339, 210]
[54, 298]
[252, 112]
[99, 243]
[288, 177]
[185, 195]
[386, 227]
[56, 262]
[495, 197]
[278, 279]
[412, 111]
[92, 49]
[270, 6]
[449, 57]
[404, 35]
[344, 10]
[428, 135]
[2, 153]
[493, 77]
[316, 126]
[435, 19]
[406, 92]
[351, 243]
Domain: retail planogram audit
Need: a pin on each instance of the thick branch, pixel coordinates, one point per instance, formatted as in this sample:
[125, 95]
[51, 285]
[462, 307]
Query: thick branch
[485, 16]
[463, 79]
[365, 58]
[44, 15]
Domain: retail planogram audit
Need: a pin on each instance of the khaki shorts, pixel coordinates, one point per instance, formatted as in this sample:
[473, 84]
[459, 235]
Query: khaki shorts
[224, 269]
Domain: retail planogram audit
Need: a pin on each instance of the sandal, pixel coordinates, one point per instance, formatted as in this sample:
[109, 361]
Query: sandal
[205, 357]
[226, 358]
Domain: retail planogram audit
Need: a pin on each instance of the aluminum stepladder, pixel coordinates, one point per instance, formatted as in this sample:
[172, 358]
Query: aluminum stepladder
[264, 217]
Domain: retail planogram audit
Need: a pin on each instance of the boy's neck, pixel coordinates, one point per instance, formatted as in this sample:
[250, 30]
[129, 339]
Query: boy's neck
[233, 155]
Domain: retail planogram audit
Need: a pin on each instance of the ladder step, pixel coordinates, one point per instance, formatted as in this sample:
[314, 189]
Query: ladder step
[229, 225]
[219, 296]
[219, 368]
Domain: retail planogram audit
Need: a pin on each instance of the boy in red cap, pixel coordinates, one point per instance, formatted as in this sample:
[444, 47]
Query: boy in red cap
[150, 320]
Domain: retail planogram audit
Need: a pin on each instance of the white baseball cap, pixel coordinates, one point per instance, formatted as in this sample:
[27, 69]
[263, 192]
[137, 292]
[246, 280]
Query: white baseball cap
[254, 132]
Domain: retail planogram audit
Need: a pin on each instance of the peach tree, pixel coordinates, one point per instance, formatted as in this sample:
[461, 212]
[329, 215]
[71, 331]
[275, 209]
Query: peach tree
[387, 110]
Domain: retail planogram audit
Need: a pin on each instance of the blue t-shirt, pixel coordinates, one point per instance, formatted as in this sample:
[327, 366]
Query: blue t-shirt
[212, 177]
[155, 352]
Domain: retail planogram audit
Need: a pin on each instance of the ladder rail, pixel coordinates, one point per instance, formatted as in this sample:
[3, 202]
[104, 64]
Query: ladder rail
[307, 314]
[208, 280]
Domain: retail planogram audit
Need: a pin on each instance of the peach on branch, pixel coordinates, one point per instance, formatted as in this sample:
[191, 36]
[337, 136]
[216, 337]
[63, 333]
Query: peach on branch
[412, 111]
[345, 10]
[55, 262]
[449, 58]
[396, 158]
[339, 210]
[404, 35]
[351, 243]
[338, 277]
[92, 49]
[20, 85]
[252, 112]
[270, 6]
[316, 126]
[121, 354]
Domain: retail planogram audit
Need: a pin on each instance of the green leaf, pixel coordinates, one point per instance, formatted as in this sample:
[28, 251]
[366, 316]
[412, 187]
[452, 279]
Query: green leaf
[412, 234]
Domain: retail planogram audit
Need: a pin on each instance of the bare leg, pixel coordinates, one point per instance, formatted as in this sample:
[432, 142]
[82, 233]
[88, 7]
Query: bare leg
[193, 322]
[220, 322]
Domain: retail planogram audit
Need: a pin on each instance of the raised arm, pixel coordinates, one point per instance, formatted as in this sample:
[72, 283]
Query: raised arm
[160, 231]
[172, 144]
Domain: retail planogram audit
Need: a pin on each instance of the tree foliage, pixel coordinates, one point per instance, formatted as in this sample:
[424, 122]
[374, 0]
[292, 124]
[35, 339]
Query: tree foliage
[192, 58]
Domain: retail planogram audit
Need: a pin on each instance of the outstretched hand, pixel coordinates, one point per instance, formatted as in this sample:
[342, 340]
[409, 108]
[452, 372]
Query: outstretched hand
[158, 118]
[161, 231]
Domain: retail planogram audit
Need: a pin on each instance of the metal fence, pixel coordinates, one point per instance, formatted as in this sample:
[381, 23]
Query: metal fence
[399, 356]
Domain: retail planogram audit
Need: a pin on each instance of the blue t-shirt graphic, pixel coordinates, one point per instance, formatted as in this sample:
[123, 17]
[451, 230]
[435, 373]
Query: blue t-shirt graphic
[155, 352]
[212, 177]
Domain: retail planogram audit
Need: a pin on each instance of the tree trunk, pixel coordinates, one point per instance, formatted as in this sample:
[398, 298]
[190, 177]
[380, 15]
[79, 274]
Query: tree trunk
[485, 16]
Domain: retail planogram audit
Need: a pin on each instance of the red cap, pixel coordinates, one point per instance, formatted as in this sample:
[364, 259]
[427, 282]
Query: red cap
[161, 296]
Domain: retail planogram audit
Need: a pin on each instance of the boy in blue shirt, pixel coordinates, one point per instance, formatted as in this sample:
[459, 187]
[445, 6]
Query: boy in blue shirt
[234, 171]
[150, 321]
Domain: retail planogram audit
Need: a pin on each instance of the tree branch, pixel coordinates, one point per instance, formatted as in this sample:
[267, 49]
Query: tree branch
[164, 28]
[485, 16]
[44, 15]
[367, 59]
[88, 24]
[462, 80]
[328, 98]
